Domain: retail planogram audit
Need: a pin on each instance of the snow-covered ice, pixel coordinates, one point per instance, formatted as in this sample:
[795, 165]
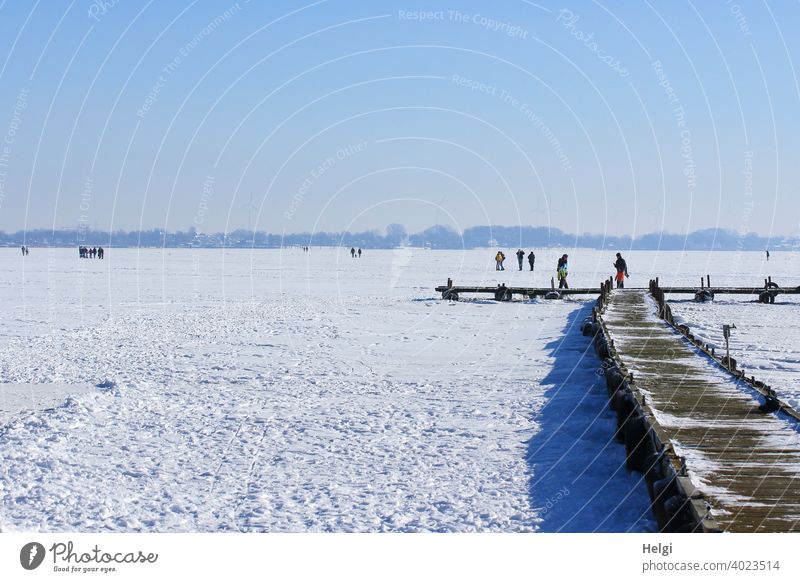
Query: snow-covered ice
[765, 343]
[276, 390]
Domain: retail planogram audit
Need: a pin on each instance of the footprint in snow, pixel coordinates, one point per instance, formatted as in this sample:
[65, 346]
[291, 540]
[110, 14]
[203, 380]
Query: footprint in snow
[106, 385]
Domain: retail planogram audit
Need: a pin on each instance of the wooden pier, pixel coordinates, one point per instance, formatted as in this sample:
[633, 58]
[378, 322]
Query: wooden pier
[704, 292]
[722, 446]
[718, 450]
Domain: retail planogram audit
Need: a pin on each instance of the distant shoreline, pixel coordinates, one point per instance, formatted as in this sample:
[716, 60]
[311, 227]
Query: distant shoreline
[395, 236]
[409, 247]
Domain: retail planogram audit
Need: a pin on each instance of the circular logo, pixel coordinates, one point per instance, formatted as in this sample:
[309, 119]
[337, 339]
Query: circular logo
[31, 555]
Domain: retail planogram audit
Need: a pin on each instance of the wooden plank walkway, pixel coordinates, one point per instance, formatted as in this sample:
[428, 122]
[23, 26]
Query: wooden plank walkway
[450, 291]
[746, 462]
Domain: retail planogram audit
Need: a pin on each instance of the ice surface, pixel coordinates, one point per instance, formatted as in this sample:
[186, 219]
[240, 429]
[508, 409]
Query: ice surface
[765, 343]
[267, 390]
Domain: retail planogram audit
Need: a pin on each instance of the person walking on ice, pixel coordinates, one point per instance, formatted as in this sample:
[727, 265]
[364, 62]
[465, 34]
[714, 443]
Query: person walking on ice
[622, 271]
[352, 252]
[520, 258]
[499, 258]
[562, 270]
[359, 253]
[531, 260]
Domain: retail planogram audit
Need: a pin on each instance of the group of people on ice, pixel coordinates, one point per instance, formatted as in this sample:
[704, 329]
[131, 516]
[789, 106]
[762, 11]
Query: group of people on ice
[500, 258]
[562, 267]
[354, 253]
[25, 251]
[91, 253]
[562, 270]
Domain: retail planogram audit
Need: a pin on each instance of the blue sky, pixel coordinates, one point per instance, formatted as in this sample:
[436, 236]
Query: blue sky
[622, 118]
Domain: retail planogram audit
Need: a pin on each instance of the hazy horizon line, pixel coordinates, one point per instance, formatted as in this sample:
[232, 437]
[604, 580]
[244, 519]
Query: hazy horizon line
[395, 235]
[382, 231]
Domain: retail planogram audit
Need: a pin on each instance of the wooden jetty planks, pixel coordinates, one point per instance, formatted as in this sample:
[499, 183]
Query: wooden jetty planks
[743, 460]
[542, 291]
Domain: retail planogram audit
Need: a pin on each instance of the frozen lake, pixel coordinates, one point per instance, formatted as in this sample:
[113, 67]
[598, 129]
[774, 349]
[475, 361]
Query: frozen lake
[277, 390]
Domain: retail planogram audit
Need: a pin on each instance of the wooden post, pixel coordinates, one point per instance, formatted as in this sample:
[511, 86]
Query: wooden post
[656, 281]
[765, 284]
[727, 354]
[708, 281]
[702, 283]
[449, 282]
[769, 278]
[552, 283]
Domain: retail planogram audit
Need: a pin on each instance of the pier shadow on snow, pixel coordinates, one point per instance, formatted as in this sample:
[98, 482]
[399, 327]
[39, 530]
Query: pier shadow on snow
[579, 482]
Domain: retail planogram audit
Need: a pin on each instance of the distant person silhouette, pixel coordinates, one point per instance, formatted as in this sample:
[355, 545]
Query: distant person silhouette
[520, 258]
[531, 259]
[359, 253]
[352, 252]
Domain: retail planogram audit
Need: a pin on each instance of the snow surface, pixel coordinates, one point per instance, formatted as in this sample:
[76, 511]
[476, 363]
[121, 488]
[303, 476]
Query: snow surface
[765, 343]
[266, 390]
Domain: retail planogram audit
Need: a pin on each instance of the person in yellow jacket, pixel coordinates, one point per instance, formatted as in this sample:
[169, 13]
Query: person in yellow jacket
[562, 270]
[499, 258]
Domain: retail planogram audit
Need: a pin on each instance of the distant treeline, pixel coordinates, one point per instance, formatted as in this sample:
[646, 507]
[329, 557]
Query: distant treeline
[436, 237]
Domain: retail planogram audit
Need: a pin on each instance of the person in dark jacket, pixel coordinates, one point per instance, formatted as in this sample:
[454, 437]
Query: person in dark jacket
[562, 270]
[520, 258]
[622, 271]
[531, 259]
